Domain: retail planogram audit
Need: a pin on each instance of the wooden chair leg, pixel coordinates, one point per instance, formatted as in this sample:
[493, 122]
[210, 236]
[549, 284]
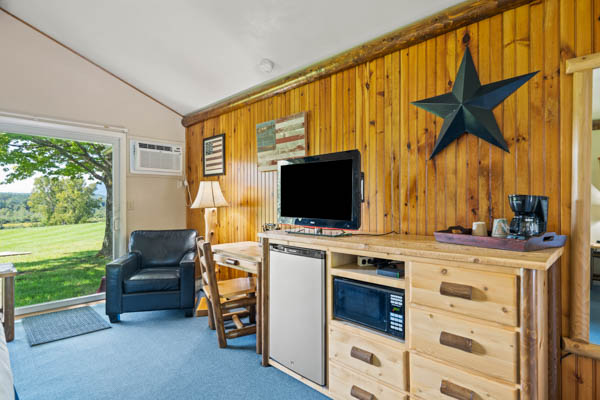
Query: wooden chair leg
[211, 317]
[220, 325]
[252, 316]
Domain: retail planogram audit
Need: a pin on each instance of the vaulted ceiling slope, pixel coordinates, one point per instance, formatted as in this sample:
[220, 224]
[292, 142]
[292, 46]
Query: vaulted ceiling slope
[188, 53]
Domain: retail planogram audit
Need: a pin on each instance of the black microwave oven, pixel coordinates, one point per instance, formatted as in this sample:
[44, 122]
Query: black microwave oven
[374, 306]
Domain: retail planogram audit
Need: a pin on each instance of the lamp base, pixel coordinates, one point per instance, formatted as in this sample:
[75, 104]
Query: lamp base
[210, 223]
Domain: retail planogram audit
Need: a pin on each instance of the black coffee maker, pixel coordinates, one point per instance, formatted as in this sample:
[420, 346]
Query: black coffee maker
[531, 215]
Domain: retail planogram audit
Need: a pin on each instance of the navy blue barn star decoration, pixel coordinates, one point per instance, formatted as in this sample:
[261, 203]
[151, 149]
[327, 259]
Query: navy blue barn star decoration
[468, 108]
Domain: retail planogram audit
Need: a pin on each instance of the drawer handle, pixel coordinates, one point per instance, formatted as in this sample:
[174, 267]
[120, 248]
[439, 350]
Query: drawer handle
[362, 355]
[456, 342]
[456, 290]
[455, 391]
[361, 394]
[231, 261]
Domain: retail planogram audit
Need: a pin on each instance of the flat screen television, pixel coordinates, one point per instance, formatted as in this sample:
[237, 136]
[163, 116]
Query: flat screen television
[322, 191]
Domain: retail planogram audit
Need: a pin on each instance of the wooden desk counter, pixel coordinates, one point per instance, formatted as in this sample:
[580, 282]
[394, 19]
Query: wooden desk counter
[413, 247]
[512, 315]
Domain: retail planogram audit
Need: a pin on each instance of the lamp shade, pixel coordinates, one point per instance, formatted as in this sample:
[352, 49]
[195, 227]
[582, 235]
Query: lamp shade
[209, 196]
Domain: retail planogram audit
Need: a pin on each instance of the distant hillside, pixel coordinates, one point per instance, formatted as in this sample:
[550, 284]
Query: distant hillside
[14, 209]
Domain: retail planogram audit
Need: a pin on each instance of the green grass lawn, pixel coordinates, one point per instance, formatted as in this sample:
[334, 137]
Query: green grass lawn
[62, 263]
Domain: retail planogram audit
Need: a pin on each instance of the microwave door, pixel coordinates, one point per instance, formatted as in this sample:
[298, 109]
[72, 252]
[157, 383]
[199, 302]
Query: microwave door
[361, 304]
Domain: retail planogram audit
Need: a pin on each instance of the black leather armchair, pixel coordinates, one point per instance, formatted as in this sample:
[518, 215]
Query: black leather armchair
[157, 274]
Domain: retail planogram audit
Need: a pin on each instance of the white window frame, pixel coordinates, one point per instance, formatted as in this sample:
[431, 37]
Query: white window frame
[69, 130]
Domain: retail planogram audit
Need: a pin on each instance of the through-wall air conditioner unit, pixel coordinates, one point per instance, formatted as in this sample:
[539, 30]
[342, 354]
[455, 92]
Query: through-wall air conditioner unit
[156, 158]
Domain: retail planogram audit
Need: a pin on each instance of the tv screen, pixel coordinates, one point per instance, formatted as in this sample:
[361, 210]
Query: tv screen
[321, 191]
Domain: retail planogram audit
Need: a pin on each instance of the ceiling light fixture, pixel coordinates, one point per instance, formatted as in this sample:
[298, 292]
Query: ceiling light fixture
[266, 65]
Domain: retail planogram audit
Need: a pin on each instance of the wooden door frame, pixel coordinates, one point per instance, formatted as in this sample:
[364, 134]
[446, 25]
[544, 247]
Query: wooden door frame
[579, 321]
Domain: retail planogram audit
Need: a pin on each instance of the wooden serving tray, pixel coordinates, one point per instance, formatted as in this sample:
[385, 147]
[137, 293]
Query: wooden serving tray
[545, 241]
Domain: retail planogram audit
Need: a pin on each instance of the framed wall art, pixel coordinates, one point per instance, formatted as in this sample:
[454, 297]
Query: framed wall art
[213, 159]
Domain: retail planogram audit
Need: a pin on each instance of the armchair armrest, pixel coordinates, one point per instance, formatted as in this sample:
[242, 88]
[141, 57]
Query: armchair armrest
[187, 268]
[116, 272]
[124, 266]
[188, 258]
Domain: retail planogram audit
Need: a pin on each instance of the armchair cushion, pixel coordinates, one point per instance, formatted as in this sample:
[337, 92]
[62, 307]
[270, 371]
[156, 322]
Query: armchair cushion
[162, 248]
[152, 280]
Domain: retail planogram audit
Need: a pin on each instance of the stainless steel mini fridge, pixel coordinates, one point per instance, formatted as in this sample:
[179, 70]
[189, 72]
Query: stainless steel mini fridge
[297, 310]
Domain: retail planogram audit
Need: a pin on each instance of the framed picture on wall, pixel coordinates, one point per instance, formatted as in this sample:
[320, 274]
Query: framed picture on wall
[213, 159]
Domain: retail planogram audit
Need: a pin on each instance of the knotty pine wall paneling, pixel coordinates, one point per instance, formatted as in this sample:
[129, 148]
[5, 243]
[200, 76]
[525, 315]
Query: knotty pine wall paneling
[368, 107]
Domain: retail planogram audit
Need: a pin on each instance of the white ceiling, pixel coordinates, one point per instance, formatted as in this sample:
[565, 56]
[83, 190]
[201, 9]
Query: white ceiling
[190, 53]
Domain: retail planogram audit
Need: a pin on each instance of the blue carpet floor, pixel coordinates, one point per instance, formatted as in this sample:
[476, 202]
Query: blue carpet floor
[149, 355]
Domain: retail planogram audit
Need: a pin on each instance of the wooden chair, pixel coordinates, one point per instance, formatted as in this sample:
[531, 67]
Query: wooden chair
[227, 300]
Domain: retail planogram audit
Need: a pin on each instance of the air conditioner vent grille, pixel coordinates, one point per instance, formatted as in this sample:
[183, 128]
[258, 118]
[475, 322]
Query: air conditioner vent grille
[155, 158]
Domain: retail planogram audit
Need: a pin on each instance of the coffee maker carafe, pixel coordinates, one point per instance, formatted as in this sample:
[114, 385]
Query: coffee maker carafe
[531, 215]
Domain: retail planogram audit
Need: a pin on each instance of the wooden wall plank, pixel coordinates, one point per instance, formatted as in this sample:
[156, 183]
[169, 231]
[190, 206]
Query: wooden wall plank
[498, 197]
[412, 140]
[522, 153]
[404, 141]
[462, 41]
[430, 133]
[509, 107]
[388, 189]
[421, 134]
[451, 194]
[484, 148]
[441, 160]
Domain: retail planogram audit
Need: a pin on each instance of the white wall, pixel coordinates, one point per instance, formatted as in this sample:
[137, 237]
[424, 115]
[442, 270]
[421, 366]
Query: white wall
[39, 77]
[595, 209]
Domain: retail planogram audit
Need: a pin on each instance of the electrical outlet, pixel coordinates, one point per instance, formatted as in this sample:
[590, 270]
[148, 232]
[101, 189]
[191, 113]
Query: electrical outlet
[365, 261]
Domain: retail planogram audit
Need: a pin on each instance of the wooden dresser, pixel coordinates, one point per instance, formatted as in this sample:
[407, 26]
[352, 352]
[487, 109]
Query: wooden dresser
[480, 323]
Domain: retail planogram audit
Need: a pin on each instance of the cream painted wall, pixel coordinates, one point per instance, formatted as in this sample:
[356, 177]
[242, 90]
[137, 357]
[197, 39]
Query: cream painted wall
[39, 77]
[595, 209]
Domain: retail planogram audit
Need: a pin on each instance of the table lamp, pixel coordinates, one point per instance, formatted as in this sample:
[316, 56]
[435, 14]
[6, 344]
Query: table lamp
[209, 197]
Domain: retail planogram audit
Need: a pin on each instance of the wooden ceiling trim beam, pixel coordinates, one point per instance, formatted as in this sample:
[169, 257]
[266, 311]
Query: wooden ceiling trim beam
[438, 24]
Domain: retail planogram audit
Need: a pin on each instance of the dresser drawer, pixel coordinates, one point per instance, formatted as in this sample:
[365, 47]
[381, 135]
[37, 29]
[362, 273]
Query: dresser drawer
[345, 383]
[476, 346]
[487, 295]
[371, 357]
[433, 380]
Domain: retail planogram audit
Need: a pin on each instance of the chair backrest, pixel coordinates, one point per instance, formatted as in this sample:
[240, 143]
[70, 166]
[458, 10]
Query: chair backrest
[162, 248]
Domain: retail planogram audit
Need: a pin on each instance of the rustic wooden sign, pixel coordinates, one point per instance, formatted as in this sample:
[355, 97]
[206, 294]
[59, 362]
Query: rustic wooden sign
[280, 139]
